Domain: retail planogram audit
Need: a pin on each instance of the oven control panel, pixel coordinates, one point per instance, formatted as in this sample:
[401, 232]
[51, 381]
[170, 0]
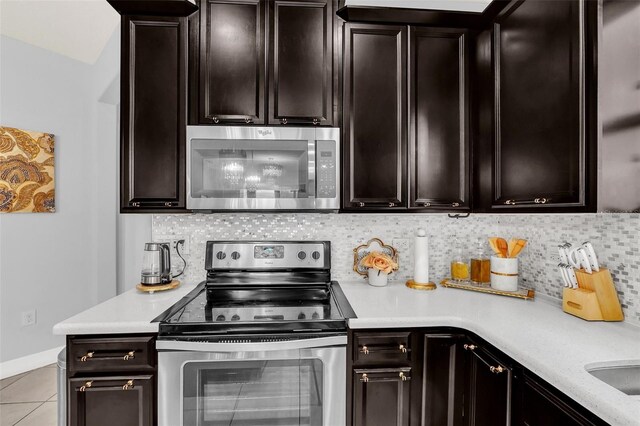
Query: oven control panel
[267, 255]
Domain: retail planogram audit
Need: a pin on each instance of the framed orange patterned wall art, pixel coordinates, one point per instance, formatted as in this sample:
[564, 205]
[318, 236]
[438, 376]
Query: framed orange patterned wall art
[26, 171]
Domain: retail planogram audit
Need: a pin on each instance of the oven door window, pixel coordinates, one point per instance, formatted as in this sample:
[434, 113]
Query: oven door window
[258, 169]
[255, 392]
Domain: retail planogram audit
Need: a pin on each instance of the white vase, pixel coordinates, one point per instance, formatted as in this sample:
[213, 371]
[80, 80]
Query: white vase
[377, 278]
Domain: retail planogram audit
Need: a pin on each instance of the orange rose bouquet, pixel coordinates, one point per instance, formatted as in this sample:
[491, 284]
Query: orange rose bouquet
[380, 262]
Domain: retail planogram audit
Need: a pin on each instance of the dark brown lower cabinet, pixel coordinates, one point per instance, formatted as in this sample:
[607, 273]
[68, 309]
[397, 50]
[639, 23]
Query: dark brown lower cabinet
[381, 396]
[539, 404]
[111, 380]
[111, 400]
[489, 383]
[443, 380]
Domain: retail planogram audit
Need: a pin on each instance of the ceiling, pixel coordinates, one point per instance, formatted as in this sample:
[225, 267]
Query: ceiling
[79, 29]
[453, 5]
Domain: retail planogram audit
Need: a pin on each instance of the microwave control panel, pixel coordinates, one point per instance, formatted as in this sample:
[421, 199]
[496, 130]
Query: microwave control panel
[327, 167]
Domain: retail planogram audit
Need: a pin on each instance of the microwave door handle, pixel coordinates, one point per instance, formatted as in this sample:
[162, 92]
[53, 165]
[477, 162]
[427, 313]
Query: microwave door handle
[312, 164]
[181, 345]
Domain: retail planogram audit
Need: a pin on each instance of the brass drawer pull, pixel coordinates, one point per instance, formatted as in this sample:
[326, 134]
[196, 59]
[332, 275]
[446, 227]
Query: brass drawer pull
[364, 350]
[316, 121]
[499, 369]
[86, 386]
[403, 377]
[538, 200]
[216, 120]
[129, 355]
[128, 385]
[364, 378]
[86, 356]
[402, 349]
[469, 347]
[283, 121]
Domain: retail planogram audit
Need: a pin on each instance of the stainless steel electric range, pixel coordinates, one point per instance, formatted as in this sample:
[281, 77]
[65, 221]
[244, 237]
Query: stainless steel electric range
[261, 342]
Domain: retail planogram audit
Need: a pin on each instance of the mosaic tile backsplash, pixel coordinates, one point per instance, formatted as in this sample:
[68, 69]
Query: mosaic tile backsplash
[616, 238]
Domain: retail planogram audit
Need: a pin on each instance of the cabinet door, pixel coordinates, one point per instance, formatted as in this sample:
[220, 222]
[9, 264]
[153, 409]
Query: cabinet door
[301, 61]
[543, 144]
[381, 396]
[443, 374]
[111, 400]
[438, 119]
[232, 63]
[153, 90]
[374, 116]
[488, 401]
[540, 405]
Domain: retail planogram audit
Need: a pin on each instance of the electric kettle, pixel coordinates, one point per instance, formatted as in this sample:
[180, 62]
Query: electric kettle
[156, 264]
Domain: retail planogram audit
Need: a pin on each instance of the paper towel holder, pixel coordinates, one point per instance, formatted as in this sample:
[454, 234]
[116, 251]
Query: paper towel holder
[421, 238]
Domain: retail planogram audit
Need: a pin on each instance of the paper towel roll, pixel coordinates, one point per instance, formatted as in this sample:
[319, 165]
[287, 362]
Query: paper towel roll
[421, 257]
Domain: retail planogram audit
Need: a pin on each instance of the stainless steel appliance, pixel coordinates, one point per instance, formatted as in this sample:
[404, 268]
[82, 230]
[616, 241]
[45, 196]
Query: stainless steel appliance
[261, 342]
[266, 168]
[156, 264]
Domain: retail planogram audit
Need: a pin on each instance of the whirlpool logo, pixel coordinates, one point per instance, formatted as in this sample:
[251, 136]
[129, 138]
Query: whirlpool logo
[264, 132]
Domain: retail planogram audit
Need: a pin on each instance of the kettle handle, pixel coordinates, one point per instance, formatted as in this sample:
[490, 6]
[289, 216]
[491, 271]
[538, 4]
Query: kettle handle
[166, 260]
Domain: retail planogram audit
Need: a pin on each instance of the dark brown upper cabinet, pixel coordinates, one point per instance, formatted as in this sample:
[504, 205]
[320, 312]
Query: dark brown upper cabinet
[153, 113]
[438, 119]
[537, 121]
[375, 118]
[301, 62]
[232, 61]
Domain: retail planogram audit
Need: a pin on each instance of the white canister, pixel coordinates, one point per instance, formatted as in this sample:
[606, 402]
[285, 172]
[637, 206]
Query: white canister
[504, 273]
[377, 278]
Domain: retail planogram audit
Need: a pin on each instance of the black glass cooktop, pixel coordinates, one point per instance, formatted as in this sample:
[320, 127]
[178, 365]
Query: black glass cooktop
[245, 309]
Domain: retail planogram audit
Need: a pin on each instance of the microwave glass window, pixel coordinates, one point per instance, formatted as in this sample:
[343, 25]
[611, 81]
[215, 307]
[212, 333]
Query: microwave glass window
[251, 169]
[256, 392]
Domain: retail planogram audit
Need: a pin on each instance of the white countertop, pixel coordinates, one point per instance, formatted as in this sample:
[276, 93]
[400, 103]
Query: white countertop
[539, 335]
[130, 312]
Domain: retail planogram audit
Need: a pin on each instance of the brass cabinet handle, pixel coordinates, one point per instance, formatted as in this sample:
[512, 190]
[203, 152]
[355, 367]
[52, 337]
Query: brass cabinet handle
[538, 200]
[499, 369]
[402, 349]
[361, 204]
[248, 120]
[364, 378]
[431, 204]
[135, 204]
[315, 121]
[392, 204]
[455, 204]
[364, 350]
[89, 385]
[403, 377]
[216, 120]
[469, 347]
[91, 355]
[86, 356]
[283, 121]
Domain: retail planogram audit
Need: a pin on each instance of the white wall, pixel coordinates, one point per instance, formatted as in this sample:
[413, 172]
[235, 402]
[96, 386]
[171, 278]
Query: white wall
[65, 262]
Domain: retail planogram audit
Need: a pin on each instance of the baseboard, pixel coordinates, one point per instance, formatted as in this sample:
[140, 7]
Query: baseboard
[29, 362]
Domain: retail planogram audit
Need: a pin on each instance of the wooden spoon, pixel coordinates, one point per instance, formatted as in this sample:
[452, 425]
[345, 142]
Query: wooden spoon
[503, 247]
[493, 242]
[512, 245]
[520, 244]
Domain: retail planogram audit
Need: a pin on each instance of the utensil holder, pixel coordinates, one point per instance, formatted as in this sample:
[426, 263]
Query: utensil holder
[504, 273]
[595, 299]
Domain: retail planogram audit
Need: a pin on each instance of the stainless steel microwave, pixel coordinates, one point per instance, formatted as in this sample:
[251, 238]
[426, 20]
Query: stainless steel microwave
[263, 168]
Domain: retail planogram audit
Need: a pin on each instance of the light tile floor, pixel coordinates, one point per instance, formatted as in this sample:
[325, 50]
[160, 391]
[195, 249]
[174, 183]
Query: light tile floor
[29, 399]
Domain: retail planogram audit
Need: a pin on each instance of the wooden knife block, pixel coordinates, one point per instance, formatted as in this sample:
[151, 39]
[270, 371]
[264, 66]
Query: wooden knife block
[595, 299]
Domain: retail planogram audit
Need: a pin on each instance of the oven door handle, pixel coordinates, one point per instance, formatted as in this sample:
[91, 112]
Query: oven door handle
[276, 345]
